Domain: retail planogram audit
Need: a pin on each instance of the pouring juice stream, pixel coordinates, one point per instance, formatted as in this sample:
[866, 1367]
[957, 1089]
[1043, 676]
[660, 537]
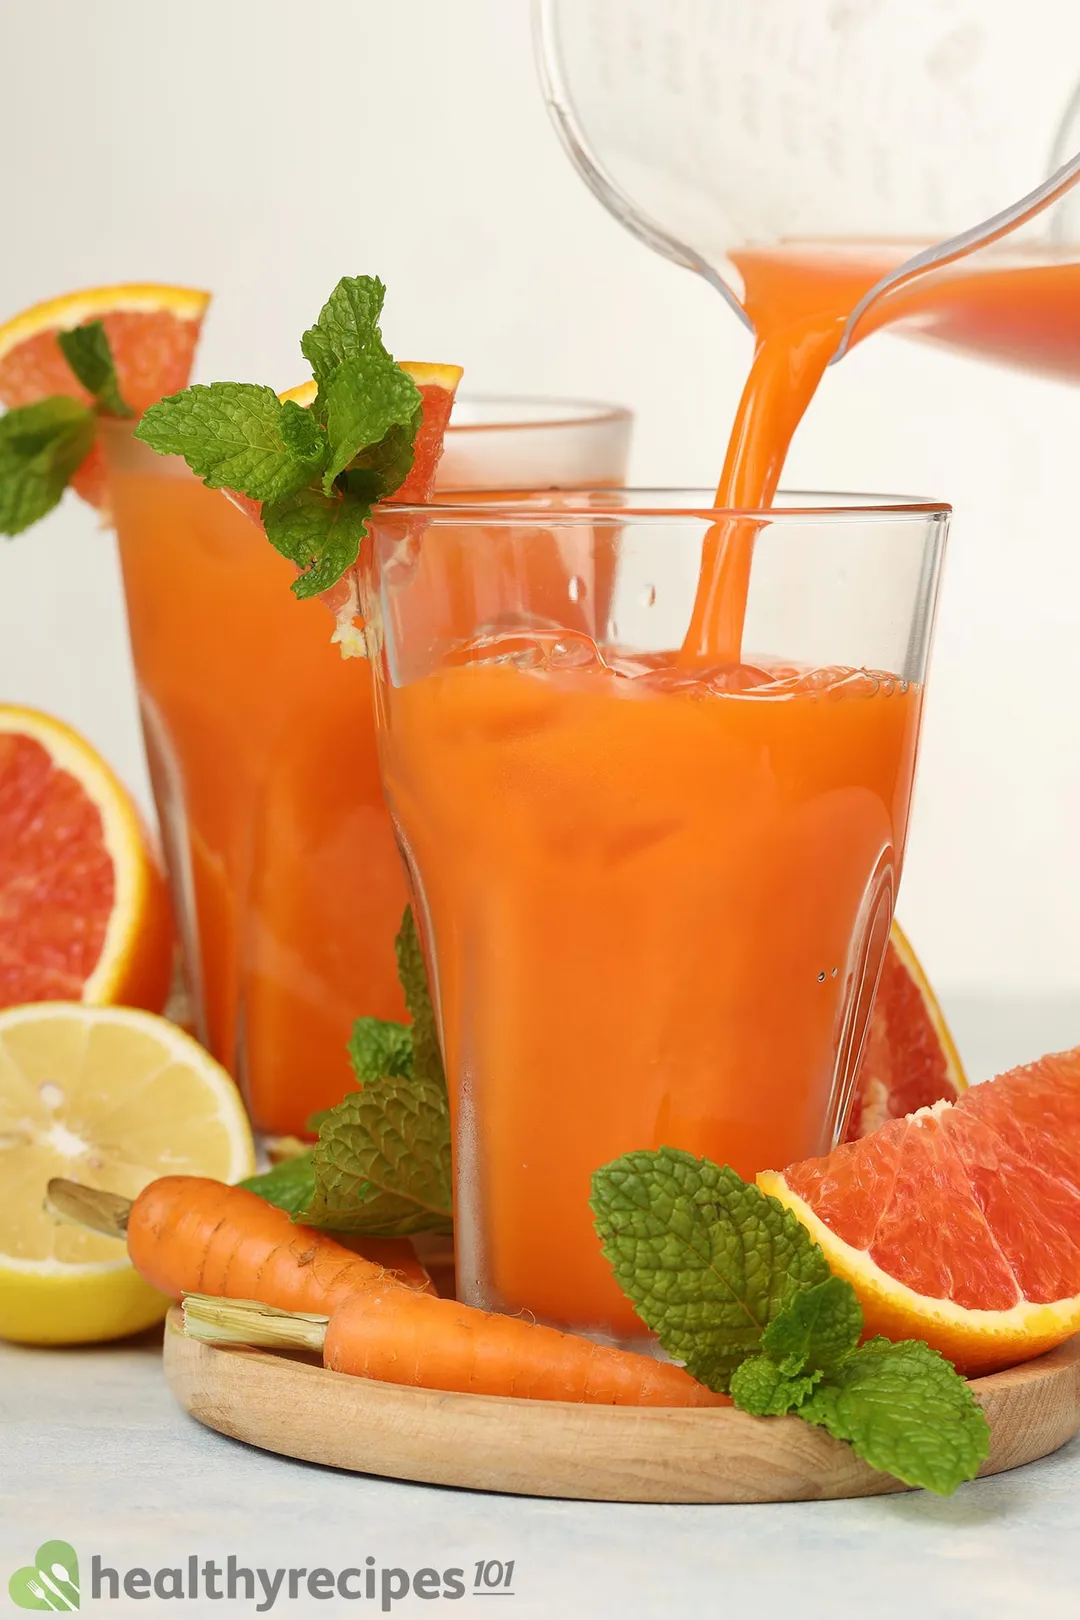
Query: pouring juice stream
[1020, 309]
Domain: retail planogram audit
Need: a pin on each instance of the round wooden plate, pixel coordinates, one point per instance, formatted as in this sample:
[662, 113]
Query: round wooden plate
[593, 1453]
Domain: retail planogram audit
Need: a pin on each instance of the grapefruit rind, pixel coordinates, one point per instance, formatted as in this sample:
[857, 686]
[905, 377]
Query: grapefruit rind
[914, 969]
[136, 954]
[424, 373]
[185, 303]
[975, 1341]
[900, 1033]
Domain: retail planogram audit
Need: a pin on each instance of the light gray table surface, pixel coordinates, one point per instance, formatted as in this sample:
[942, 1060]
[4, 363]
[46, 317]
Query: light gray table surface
[94, 1451]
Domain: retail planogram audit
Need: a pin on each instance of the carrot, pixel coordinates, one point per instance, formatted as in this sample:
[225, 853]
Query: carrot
[186, 1234]
[396, 1255]
[277, 1283]
[397, 1337]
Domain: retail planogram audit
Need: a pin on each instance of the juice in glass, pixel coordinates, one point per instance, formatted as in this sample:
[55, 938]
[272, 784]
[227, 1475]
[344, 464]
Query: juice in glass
[655, 899]
[261, 743]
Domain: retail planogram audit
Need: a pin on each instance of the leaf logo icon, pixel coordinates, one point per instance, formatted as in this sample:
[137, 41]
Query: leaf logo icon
[51, 1582]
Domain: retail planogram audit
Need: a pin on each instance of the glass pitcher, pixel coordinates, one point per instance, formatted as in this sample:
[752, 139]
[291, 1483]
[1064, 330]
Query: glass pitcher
[931, 125]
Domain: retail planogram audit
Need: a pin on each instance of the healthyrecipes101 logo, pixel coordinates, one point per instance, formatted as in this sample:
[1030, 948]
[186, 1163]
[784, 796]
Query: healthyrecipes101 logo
[50, 1582]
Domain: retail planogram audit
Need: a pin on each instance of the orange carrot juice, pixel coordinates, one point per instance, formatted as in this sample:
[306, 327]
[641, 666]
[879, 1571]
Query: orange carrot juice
[655, 900]
[263, 761]
[261, 742]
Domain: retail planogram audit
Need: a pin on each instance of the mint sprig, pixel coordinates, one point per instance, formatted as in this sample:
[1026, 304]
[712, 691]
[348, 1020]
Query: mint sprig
[735, 1289]
[381, 1165]
[318, 469]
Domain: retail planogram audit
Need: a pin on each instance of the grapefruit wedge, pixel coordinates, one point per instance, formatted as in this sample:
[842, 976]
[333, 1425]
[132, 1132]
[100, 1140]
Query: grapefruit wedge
[152, 332]
[910, 1059]
[959, 1224]
[84, 908]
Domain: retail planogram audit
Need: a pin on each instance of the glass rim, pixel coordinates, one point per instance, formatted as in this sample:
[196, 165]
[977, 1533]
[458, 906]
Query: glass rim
[525, 412]
[623, 504]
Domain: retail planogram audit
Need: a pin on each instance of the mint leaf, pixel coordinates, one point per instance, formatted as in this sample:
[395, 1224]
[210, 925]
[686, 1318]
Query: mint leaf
[347, 327]
[904, 1409]
[760, 1387]
[379, 1047]
[707, 1259]
[412, 971]
[230, 435]
[379, 470]
[816, 1330]
[41, 445]
[290, 1185]
[303, 435]
[86, 350]
[364, 399]
[382, 1161]
[320, 533]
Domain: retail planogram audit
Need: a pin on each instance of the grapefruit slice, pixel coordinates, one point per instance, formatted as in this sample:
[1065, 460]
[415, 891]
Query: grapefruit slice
[84, 908]
[152, 332]
[959, 1224]
[113, 1098]
[910, 1059]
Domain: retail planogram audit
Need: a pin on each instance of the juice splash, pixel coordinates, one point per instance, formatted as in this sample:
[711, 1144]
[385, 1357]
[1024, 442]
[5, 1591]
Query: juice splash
[649, 896]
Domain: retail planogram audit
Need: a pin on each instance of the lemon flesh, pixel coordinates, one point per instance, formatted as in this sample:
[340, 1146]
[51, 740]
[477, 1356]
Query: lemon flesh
[112, 1098]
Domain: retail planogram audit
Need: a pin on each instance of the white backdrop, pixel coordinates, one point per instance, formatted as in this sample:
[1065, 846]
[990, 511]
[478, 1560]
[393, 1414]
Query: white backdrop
[262, 148]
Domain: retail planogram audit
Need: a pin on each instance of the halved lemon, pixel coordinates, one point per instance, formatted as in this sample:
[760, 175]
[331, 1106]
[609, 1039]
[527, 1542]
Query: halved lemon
[114, 1098]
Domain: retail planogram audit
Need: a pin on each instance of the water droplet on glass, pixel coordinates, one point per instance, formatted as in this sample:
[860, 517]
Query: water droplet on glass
[575, 590]
[821, 978]
[835, 971]
[50, 1094]
[647, 596]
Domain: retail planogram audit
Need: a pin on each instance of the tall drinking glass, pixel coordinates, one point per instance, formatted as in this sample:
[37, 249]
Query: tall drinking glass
[287, 882]
[655, 899]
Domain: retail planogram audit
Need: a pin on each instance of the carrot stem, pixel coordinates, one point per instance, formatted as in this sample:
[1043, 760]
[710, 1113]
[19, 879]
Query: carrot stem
[244, 1321]
[91, 1207]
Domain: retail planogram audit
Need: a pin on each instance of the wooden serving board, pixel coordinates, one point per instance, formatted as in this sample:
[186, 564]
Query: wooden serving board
[593, 1453]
